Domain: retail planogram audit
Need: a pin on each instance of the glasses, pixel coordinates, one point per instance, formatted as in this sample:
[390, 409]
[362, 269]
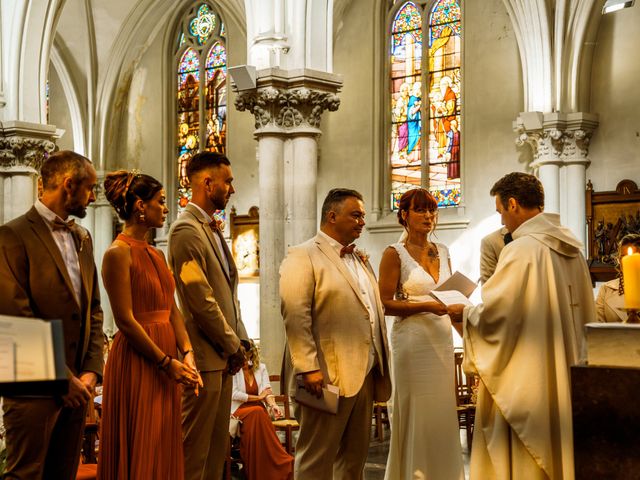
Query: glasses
[424, 211]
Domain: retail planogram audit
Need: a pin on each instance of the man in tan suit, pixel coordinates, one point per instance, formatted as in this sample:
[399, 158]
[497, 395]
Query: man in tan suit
[336, 334]
[207, 284]
[490, 248]
[47, 271]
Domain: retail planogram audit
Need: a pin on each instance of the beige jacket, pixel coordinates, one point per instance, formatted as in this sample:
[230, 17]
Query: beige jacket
[610, 304]
[490, 248]
[326, 319]
[208, 296]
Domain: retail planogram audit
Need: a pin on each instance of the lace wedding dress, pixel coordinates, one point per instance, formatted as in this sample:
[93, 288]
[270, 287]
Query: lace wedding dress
[425, 440]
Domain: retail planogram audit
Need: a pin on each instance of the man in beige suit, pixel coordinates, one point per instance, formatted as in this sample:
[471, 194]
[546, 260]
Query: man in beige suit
[336, 335]
[47, 271]
[490, 248]
[207, 285]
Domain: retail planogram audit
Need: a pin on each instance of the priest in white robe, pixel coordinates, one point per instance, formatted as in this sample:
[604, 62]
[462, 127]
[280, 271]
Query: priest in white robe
[522, 340]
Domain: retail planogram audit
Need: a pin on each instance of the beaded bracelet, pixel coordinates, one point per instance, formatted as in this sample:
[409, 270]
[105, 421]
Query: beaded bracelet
[162, 361]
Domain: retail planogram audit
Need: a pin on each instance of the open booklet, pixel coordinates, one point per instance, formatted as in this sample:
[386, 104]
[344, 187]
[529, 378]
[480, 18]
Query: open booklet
[327, 403]
[32, 358]
[456, 289]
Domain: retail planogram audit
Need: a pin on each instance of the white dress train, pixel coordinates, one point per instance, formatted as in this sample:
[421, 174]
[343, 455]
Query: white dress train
[425, 440]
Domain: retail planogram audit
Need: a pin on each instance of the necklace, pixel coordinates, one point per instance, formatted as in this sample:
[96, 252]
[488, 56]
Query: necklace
[432, 251]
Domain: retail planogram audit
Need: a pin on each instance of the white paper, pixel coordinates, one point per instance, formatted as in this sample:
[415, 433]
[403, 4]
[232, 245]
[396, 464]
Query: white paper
[7, 359]
[33, 347]
[327, 403]
[450, 297]
[459, 282]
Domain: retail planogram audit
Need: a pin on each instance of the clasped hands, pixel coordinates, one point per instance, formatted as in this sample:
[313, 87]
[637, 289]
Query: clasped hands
[236, 360]
[185, 372]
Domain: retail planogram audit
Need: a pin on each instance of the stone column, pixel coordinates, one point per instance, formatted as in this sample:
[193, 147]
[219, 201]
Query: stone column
[559, 142]
[23, 148]
[287, 106]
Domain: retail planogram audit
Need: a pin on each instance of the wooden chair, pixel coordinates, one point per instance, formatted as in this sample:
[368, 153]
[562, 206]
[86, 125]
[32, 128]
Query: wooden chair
[380, 418]
[287, 424]
[465, 398]
[90, 436]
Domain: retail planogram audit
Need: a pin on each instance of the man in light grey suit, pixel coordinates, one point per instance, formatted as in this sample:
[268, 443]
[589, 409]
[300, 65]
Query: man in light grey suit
[207, 285]
[335, 334]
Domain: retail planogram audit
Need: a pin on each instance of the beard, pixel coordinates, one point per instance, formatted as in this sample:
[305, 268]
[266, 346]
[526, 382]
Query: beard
[75, 207]
[219, 200]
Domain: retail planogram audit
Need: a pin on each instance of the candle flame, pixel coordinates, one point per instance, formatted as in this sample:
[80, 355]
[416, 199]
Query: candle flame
[630, 251]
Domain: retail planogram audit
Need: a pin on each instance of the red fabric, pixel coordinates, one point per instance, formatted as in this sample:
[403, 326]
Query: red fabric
[141, 435]
[87, 471]
[261, 451]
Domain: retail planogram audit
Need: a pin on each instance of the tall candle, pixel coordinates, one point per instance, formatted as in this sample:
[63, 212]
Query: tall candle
[631, 276]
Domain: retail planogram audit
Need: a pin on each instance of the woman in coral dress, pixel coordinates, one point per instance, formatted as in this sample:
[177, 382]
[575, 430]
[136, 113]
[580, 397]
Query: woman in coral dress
[141, 435]
[262, 453]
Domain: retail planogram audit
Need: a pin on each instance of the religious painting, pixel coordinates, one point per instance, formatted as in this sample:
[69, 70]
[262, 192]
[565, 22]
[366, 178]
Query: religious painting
[434, 93]
[245, 244]
[201, 90]
[610, 216]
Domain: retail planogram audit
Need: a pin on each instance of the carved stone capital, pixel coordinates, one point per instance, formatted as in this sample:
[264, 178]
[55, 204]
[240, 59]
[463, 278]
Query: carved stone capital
[286, 101]
[556, 138]
[24, 146]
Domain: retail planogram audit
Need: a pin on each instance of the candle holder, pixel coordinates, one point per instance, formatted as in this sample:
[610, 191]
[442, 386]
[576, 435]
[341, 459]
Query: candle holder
[632, 316]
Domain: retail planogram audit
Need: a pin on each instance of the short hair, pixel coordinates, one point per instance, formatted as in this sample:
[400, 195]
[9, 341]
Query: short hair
[526, 189]
[334, 199]
[203, 160]
[61, 164]
[123, 188]
[417, 198]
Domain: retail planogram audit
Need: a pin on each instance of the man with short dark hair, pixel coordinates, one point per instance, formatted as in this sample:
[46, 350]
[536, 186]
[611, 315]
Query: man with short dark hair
[47, 271]
[523, 338]
[336, 335]
[207, 285]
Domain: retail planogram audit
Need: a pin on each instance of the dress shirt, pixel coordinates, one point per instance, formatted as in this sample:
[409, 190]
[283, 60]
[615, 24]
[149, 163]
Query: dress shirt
[66, 244]
[218, 238]
[358, 271]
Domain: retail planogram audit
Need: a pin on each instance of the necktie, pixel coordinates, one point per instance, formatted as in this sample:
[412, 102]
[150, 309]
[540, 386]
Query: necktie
[214, 225]
[507, 238]
[347, 250]
[59, 224]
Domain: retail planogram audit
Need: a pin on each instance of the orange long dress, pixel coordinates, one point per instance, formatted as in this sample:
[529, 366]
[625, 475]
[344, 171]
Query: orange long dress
[140, 433]
[262, 453]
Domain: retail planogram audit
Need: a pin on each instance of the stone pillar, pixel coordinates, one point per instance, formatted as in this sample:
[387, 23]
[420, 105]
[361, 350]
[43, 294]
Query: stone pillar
[287, 106]
[102, 234]
[560, 143]
[23, 148]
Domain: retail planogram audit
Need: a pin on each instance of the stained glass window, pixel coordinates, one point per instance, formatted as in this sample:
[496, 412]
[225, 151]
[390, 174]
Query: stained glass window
[201, 108]
[426, 154]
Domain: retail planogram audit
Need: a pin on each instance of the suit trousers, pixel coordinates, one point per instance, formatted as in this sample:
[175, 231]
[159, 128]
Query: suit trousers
[335, 446]
[205, 426]
[43, 438]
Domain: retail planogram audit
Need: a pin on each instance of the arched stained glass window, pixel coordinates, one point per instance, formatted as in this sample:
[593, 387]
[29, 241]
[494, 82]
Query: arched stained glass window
[201, 108]
[427, 87]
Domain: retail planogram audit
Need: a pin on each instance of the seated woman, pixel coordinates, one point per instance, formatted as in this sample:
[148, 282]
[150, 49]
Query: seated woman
[610, 301]
[260, 449]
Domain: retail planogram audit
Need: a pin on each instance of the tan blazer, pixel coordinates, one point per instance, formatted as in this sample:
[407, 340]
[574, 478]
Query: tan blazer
[326, 319]
[490, 248]
[208, 296]
[34, 282]
[610, 304]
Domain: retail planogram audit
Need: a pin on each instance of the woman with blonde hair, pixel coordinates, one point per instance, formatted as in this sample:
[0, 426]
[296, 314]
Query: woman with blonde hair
[262, 453]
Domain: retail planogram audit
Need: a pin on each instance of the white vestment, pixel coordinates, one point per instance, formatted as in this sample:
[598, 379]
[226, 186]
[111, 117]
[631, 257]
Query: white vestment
[521, 341]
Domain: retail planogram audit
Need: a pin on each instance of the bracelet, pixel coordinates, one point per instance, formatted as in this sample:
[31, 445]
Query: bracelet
[167, 364]
[187, 352]
[162, 361]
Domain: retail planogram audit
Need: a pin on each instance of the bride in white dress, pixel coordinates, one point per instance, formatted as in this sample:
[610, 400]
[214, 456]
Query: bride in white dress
[425, 440]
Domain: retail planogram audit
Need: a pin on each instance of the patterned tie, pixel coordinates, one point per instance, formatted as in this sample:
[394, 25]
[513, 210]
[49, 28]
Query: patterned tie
[214, 225]
[347, 250]
[59, 224]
